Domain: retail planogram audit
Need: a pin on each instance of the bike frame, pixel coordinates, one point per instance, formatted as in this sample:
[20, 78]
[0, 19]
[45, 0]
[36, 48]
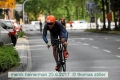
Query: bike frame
[61, 62]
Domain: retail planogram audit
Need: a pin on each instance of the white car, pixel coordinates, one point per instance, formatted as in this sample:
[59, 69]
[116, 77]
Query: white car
[28, 27]
[4, 37]
[36, 24]
[17, 27]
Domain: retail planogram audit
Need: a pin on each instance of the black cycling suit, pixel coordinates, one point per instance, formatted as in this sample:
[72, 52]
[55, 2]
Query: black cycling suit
[57, 30]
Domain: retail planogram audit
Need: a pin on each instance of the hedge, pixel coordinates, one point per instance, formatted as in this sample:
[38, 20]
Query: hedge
[20, 34]
[8, 58]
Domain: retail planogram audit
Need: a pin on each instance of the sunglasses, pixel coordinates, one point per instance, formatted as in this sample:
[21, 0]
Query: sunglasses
[50, 23]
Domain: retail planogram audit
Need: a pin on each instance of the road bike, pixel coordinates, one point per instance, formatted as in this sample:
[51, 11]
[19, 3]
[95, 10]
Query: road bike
[61, 61]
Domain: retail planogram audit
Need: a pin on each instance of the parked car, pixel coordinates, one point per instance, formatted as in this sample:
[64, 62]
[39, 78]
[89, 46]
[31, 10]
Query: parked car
[17, 27]
[10, 28]
[4, 37]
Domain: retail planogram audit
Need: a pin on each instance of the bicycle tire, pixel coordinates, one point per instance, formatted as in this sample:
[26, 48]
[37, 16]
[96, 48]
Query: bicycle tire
[64, 67]
[63, 63]
[60, 58]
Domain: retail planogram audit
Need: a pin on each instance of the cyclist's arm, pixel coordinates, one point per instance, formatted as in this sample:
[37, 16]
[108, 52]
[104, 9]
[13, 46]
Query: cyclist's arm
[64, 31]
[45, 34]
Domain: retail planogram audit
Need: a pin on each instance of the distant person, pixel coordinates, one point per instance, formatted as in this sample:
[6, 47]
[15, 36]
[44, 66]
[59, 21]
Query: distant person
[70, 22]
[40, 26]
[98, 23]
[63, 22]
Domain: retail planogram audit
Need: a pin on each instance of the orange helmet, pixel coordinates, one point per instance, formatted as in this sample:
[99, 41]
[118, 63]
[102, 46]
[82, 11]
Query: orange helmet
[51, 19]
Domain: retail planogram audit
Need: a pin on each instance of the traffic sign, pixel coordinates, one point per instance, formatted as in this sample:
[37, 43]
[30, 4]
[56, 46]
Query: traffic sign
[3, 4]
[7, 3]
[11, 3]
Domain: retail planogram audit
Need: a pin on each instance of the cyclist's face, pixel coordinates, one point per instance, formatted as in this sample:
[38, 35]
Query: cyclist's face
[50, 26]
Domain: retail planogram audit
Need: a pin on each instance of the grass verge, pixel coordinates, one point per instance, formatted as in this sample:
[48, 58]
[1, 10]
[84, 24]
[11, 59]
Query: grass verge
[103, 31]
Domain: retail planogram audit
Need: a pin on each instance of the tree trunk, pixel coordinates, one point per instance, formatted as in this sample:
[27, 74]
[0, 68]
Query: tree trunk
[107, 10]
[104, 26]
[68, 14]
[76, 12]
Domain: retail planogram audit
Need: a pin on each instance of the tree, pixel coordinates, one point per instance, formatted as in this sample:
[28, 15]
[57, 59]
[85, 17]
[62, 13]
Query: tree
[60, 8]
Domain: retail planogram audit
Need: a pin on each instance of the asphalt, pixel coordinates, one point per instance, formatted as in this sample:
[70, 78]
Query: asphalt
[22, 47]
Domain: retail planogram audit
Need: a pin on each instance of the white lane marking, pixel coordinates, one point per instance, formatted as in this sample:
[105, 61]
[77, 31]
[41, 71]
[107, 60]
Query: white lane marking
[95, 47]
[91, 39]
[117, 40]
[24, 57]
[78, 42]
[107, 51]
[119, 48]
[83, 38]
[37, 45]
[85, 44]
[69, 39]
[74, 44]
[73, 40]
[106, 38]
[96, 36]
[118, 56]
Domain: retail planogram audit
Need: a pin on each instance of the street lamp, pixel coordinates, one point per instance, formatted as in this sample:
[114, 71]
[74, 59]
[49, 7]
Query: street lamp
[23, 8]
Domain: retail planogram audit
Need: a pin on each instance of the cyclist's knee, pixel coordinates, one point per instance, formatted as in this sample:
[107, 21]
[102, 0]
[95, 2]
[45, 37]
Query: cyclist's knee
[62, 40]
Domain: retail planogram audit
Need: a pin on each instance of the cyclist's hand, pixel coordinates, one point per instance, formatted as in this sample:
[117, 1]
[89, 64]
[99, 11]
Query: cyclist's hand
[48, 46]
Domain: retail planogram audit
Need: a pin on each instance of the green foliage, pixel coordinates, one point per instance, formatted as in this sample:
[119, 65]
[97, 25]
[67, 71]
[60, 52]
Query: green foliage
[68, 9]
[20, 34]
[19, 1]
[8, 58]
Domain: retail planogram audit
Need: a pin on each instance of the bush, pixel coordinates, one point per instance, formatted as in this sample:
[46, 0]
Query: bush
[8, 58]
[20, 34]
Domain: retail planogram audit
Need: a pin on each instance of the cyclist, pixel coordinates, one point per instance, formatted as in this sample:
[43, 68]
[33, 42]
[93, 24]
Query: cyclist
[62, 21]
[56, 30]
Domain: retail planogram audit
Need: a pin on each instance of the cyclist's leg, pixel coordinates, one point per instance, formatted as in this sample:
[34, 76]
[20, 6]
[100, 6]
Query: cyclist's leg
[63, 39]
[54, 46]
[54, 50]
[65, 46]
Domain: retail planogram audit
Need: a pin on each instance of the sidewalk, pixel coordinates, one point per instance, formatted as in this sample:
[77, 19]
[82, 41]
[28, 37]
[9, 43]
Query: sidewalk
[22, 47]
